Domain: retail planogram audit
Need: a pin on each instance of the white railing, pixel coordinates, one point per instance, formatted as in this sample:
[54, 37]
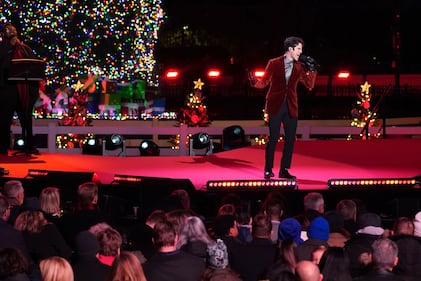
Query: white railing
[307, 130]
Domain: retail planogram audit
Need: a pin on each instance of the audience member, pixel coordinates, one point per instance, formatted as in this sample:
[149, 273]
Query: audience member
[178, 217]
[348, 210]
[318, 234]
[358, 247]
[286, 261]
[338, 235]
[169, 263]
[85, 215]
[50, 204]
[314, 205]
[305, 223]
[224, 227]
[253, 261]
[183, 196]
[9, 236]
[86, 266]
[274, 209]
[194, 238]
[42, 238]
[317, 253]
[384, 259]
[226, 209]
[110, 242]
[126, 267]
[417, 225]
[409, 263]
[308, 271]
[217, 268]
[13, 265]
[140, 235]
[15, 194]
[334, 265]
[290, 229]
[243, 218]
[56, 269]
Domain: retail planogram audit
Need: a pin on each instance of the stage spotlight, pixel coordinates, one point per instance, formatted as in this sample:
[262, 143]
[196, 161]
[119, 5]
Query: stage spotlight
[19, 143]
[373, 183]
[200, 141]
[233, 137]
[113, 142]
[148, 148]
[238, 185]
[91, 146]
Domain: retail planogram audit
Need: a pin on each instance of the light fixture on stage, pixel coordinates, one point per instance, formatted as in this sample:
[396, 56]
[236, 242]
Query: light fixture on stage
[200, 141]
[373, 182]
[19, 143]
[122, 179]
[251, 184]
[91, 146]
[233, 137]
[148, 148]
[113, 142]
[57, 177]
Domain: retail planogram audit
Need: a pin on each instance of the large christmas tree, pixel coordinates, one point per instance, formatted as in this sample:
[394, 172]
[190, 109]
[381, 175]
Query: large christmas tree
[113, 39]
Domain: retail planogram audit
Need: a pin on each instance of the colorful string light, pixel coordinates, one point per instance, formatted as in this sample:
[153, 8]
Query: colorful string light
[114, 39]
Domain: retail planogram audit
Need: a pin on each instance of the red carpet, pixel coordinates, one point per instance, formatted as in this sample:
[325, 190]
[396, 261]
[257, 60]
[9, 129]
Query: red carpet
[314, 163]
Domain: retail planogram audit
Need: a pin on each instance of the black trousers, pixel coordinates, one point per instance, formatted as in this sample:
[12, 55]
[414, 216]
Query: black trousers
[290, 129]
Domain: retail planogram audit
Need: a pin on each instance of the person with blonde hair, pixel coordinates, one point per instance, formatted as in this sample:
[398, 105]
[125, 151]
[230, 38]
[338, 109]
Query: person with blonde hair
[127, 267]
[194, 238]
[56, 269]
[42, 238]
[50, 203]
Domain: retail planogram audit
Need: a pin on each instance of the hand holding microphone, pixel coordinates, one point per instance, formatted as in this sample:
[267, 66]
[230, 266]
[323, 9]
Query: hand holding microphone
[309, 63]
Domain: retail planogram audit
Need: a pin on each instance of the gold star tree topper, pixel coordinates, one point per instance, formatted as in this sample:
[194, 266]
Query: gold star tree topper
[198, 84]
[365, 88]
[78, 86]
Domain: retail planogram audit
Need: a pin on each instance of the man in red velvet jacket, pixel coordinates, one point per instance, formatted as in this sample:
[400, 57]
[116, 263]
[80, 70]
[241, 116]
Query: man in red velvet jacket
[282, 74]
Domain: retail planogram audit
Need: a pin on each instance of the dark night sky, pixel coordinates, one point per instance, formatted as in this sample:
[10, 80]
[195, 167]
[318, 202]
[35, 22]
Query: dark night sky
[337, 33]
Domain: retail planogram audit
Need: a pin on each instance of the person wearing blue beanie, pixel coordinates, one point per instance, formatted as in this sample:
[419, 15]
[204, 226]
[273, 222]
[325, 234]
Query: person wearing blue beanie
[319, 229]
[290, 228]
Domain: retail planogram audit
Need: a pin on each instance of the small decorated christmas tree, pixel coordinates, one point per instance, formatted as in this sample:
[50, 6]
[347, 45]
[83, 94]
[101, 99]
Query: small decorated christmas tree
[195, 113]
[361, 113]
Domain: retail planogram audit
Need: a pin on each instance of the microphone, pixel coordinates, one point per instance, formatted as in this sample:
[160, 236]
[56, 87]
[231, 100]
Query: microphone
[310, 63]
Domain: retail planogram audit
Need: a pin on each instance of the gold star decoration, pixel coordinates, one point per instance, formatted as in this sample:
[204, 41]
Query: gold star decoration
[365, 88]
[198, 84]
[78, 86]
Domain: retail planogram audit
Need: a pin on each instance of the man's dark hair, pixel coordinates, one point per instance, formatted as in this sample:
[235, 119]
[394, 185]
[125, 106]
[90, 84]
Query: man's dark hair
[292, 42]
[164, 234]
[261, 226]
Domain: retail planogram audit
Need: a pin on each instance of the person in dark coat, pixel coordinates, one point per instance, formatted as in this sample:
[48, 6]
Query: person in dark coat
[358, 247]
[409, 263]
[41, 237]
[254, 260]
[85, 215]
[170, 264]
[384, 259]
[86, 266]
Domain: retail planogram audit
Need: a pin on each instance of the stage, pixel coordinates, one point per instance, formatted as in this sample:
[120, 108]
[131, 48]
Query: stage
[314, 163]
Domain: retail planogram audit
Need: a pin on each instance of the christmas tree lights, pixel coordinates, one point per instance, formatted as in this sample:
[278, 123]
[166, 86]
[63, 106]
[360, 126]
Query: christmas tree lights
[112, 39]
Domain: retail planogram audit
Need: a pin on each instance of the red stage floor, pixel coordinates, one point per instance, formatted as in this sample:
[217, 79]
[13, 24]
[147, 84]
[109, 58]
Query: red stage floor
[314, 163]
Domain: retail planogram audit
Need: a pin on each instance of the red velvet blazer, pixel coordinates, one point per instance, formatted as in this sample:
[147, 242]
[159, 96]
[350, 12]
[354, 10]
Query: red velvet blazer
[278, 89]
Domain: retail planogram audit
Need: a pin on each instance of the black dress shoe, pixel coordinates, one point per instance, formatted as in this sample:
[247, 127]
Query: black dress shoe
[268, 175]
[30, 151]
[284, 174]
